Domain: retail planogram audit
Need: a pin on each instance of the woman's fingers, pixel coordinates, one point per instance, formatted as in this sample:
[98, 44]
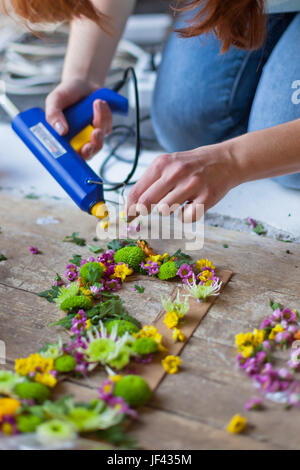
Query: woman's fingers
[102, 117]
[193, 211]
[55, 103]
[173, 200]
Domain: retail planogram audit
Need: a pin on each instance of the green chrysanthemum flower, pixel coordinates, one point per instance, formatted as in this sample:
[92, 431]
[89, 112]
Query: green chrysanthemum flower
[51, 351]
[91, 272]
[130, 255]
[28, 423]
[144, 346]
[100, 349]
[167, 271]
[121, 360]
[55, 430]
[133, 389]
[66, 293]
[65, 364]
[32, 391]
[122, 326]
[84, 419]
[8, 381]
[77, 302]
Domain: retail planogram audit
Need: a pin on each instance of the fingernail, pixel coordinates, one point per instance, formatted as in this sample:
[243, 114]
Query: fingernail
[59, 127]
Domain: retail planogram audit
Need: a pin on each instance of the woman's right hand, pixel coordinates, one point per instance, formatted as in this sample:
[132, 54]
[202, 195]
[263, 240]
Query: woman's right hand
[68, 93]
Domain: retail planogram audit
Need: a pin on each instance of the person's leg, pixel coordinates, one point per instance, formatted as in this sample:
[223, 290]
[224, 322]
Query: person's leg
[276, 100]
[203, 97]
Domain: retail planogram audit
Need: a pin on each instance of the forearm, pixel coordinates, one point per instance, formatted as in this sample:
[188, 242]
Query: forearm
[90, 49]
[267, 153]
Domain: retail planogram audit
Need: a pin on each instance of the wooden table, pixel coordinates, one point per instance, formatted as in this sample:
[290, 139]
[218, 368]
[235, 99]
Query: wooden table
[191, 409]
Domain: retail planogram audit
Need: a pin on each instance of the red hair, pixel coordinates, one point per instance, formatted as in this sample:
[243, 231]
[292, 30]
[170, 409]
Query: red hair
[54, 11]
[239, 23]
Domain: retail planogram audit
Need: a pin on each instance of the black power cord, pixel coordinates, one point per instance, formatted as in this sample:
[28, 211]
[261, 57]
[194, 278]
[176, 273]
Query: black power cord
[123, 133]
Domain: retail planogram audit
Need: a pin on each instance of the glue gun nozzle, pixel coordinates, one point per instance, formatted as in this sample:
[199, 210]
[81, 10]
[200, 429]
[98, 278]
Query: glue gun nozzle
[100, 211]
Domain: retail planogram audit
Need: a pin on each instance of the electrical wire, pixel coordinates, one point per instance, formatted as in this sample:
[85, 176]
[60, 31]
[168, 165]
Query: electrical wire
[123, 133]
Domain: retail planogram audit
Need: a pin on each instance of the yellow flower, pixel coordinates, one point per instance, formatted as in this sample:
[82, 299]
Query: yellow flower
[86, 292]
[201, 263]
[247, 351]
[115, 378]
[206, 276]
[7, 429]
[277, 329]
[258, 336]
[122, 271]
[237, 424]
[171, 364]
[32, 363]
[155, 259]
[149, 331]
[103, 267]
[240, 339]
[171, 320]
[88, 324]
[8, 406]
[46, 379]
[178, 335]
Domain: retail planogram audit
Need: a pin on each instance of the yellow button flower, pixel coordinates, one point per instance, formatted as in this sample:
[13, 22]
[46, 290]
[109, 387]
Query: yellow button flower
[237, 424]
[171, 364]
[178, 335]
[149, 331]
[8, 406]
[201, 263]
[171, 320]
[247, 351]
[122, 271]
[277, 329]
[25, 366]
[46, 379]
[88, 324]
[115, 378]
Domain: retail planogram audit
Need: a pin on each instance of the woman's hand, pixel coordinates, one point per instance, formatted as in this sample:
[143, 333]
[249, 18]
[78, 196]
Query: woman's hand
[200, 176]
[70, 92]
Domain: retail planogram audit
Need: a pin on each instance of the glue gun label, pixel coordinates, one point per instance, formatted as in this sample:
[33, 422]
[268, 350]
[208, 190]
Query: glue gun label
[48, 140]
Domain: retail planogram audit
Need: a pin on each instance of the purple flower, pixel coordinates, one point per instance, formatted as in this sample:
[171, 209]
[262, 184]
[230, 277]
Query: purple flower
[276, 315]
[185, 271]
[251, 222]
[151, 268]
[96, 291]
[119, 404]
[106, 390]
[254, 404]
[288, 315]
[33, 250]
[58, 281]
[266, 323]
[113, 285]
[71, 272]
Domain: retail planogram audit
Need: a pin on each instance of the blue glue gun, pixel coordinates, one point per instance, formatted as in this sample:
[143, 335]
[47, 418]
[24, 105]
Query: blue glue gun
[60, 155]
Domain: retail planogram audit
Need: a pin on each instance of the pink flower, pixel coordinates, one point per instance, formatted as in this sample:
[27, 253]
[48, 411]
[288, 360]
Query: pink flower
[185, 271]
[254, 404]
[33, 250]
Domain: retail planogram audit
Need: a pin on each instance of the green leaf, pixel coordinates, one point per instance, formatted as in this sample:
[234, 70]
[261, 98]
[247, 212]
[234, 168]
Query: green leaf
[76, 260]
[75, 239]
[117, 244]
[65, 322]
[275, 305]
[95, 249]
[31, 196]
[50, 294]
[139, 289]
[259, 229]
[225, 245]
[181, 258]
[2, 257]
[93, 273]
[116, 436]
[112, 308]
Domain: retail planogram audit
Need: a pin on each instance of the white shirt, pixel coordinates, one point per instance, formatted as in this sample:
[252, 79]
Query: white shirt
[282, 6]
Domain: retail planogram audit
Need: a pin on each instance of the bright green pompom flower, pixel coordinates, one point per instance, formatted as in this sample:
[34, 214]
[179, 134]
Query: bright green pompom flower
[54, 431]
[32, 391]
[144, 346]
[131, 255]
[167, 271]
[91, 272]
[65, 364]
[121, 360]
[123, 326]
[8, 381]
[28, 423]
[77, 302]
[133, 389]
[100, 349]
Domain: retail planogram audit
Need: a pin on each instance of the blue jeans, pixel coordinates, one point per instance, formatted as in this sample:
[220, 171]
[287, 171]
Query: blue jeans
[203, 97]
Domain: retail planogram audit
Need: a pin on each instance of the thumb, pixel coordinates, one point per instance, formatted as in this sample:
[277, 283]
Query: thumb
[54, 113]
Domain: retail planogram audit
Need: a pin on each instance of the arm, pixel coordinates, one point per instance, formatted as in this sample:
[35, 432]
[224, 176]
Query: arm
[204, 175]
[88, 59]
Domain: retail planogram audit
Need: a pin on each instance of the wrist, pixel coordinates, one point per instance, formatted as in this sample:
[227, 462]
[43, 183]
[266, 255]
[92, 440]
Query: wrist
[240, 166]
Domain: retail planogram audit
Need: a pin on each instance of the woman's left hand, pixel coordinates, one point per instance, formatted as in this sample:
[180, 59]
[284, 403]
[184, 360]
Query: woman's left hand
[200, 176]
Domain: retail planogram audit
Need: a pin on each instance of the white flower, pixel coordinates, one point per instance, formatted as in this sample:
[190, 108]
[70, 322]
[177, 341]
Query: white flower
[179, 306]
[202, 292]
